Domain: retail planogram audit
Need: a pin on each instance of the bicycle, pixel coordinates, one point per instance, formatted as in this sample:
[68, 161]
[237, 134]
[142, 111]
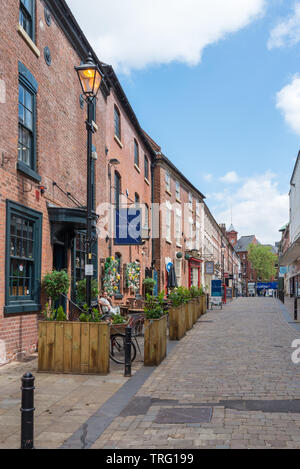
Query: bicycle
[117, 341]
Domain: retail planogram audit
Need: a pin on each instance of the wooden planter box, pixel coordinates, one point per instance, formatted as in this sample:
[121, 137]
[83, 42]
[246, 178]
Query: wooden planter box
[177, 323]
[189, 315]
[155, 341]
[195, 307]
[204, 307]
[73, 347]
[200, 306]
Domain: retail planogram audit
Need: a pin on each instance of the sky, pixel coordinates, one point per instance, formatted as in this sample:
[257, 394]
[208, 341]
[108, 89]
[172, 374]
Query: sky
[217, 85]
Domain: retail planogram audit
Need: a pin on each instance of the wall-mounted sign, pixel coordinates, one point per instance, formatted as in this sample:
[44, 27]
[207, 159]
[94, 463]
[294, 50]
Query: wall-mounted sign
[128, 227]
[283, 270]
[89, 270]
[209, 268]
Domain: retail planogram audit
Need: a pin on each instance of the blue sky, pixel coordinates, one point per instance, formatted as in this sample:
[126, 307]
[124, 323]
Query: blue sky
[221, 97]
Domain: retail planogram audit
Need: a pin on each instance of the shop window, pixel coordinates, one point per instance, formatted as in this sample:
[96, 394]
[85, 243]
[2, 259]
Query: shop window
[23, 259]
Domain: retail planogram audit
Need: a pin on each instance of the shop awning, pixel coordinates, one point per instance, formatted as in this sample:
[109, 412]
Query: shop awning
[68, 220]
[292, 254]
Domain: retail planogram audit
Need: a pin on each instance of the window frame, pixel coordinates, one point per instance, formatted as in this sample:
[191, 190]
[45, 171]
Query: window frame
[168, 224]
[177, 190]
[136, 154]
[146, 167]
[29, 83]
[168, 181]
[23, 304]
[117, 113]
[30, 16]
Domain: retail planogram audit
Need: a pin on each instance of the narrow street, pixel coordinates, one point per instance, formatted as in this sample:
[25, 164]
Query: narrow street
[230, 383]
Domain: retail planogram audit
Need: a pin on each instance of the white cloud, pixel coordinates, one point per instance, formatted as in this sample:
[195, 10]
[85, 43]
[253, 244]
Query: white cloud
[208, 177]
[230, 178]
[136, 33]
[287, 32]
[258, 207]
[288, 101]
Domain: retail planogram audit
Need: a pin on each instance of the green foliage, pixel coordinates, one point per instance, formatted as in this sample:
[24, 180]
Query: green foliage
[194, 292]
[56, 283]
[154, 306]
[263, 261]
[176, 298]
[118, 319]
[51, 314]
[87, 317]
[149, 284]
[81, 290]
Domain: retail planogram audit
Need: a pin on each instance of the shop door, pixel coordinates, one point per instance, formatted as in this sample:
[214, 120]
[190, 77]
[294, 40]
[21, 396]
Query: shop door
[60, 263]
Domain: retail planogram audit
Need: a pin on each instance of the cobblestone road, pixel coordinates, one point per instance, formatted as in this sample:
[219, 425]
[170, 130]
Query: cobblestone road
[234, 370]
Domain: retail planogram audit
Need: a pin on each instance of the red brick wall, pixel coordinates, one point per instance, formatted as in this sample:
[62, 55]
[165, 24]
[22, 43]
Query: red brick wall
[132, 180]
[61, 146]
[164, 249]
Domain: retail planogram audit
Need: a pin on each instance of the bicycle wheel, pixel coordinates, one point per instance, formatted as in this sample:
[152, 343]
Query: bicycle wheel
[117, 349]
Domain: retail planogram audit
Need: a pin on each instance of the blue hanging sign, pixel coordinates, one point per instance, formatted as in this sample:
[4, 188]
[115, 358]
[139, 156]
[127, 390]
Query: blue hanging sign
[128, 227]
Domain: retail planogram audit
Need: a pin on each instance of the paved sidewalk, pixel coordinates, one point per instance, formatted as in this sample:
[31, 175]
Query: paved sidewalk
[63, 403]
[230, 383]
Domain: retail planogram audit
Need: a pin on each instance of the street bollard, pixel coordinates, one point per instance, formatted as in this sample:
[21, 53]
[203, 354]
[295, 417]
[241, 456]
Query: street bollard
[27, 411]
[127, 372]
[295, 309]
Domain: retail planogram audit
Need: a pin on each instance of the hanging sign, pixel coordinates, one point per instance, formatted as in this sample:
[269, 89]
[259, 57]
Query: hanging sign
[128, 227]
[209, 268]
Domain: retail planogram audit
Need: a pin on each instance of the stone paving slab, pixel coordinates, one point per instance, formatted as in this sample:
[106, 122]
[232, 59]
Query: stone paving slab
[63, 403]
[243, 355]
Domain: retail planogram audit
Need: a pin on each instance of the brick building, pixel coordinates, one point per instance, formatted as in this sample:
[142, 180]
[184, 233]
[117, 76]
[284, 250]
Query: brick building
[178, 240]
[248, 273]
[43, 163]
[43, 168]
[130, 161]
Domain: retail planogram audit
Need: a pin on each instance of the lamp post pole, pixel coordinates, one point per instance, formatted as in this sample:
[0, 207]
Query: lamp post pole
[90, 131]
[90, 78]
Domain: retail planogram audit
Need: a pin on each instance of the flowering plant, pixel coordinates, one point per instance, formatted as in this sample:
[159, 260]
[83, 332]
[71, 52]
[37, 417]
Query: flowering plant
[132, 275]
[111, 280]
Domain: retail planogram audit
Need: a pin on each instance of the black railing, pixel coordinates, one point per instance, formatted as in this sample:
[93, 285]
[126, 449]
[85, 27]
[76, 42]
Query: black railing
[74, 310]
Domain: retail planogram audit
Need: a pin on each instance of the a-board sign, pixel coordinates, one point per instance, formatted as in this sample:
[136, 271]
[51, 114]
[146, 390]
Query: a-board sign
[216, 288]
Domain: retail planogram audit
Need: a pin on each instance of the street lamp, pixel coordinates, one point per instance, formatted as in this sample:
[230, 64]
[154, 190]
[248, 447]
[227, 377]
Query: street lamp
[90, 78]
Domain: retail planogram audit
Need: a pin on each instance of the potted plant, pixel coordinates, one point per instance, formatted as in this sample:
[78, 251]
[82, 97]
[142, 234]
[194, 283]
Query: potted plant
[194, 292]
[149, 284]
[55, 284]
[177, 317]
[80, 347]
[155, 336]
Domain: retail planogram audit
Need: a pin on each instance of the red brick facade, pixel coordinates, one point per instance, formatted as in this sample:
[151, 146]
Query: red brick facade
[61, 168]
[61, 147]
